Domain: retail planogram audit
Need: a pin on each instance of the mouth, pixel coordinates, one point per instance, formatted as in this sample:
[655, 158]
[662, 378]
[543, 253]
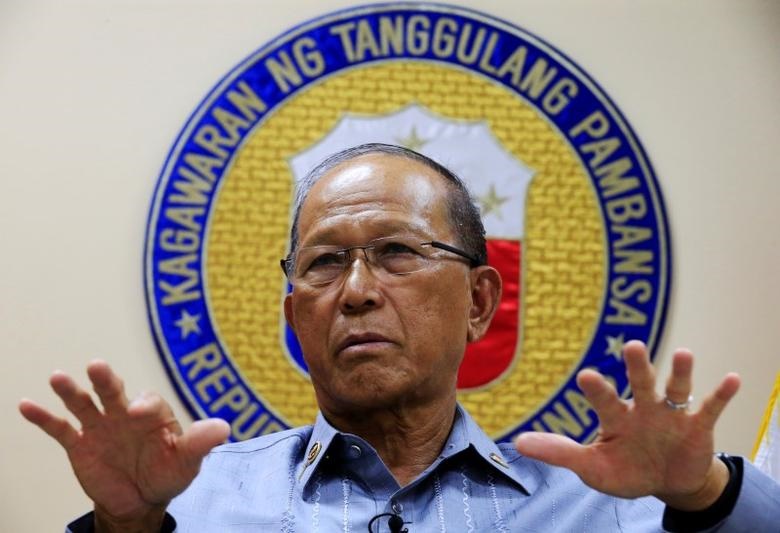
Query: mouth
[361, 341]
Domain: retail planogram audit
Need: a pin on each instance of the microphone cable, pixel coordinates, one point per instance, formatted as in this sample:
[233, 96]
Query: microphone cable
[395, 523]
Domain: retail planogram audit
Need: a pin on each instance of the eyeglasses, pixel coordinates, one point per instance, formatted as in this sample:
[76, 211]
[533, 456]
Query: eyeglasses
[316, 266]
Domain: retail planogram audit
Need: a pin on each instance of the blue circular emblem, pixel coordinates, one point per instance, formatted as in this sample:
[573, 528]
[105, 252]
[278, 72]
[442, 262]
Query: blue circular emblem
[576, 222]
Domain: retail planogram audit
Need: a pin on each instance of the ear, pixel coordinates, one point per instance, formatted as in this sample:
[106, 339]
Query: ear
[485, 296]
[288, 312]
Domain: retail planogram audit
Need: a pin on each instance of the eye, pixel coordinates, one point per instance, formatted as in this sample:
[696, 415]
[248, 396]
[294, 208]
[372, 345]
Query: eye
[327, 260]
[396, 248]
[400, 257]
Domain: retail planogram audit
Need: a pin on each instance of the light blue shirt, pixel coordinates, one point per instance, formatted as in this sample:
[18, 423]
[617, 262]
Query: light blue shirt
[316, 479]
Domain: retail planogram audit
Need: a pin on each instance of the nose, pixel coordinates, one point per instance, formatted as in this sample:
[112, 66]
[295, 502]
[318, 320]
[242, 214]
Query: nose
[360, 290]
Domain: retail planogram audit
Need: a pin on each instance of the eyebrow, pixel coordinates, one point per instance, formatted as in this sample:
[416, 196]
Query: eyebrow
[330, 236]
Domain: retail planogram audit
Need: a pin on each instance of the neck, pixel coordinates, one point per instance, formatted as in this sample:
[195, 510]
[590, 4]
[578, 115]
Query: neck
[407, 438]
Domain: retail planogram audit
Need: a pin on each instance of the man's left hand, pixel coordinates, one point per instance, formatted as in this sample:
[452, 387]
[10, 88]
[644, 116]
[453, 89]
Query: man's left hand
[645, 446]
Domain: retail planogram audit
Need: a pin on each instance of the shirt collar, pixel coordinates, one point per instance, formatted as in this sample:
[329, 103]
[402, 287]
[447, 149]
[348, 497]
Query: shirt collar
[322, 436]
[465, 437]
[466, 433]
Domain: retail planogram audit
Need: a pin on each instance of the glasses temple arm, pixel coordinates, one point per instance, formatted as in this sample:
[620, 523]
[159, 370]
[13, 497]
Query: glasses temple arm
[457, 251]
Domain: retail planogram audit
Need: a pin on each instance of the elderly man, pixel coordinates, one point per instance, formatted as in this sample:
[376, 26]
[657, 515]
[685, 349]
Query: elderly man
[390, 281]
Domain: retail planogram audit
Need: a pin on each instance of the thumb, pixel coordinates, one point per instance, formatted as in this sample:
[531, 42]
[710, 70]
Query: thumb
[201, 437]
[550, 448]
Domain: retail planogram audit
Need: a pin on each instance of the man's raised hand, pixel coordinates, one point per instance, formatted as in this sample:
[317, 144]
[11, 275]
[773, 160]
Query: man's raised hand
[645, 446]
[131, 458]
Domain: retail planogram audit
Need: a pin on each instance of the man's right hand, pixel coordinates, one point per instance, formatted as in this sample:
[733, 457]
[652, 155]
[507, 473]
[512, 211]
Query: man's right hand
[131, 458]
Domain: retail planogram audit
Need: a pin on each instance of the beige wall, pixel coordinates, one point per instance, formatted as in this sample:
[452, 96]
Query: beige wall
[92, 95]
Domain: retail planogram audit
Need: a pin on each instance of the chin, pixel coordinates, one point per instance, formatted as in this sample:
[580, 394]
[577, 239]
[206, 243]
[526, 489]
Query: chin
[368, 393]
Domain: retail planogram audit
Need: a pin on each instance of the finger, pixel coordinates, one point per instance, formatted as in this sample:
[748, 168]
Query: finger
[77, 400]
[552, 449]
[108, 386]
[57, 428]
[678, 385]
[641, 375]
[151, 409]
[602, 396]
[713, 405]
[201, 437]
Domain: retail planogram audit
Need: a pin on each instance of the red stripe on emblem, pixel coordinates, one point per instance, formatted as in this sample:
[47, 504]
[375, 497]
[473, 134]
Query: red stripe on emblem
[491, 356]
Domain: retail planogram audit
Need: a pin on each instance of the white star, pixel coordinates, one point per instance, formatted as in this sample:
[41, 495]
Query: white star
[615, 346]
[188, 324]
[492, 202]
[412, 141]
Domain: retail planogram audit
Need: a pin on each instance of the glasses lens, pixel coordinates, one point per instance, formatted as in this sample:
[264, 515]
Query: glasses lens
[318, 265]
[399, 255]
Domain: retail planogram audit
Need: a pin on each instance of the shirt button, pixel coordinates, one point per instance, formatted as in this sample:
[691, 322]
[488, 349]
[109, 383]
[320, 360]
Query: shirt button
[355, 452]
[397, 507]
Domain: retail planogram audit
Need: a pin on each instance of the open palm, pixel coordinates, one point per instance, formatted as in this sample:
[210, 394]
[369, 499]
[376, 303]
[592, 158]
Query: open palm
[130, 458]
[645, 447]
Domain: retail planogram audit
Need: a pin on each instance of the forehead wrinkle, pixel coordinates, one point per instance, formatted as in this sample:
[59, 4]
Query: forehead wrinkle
[347, 202]
[331, 229]
[353, 178]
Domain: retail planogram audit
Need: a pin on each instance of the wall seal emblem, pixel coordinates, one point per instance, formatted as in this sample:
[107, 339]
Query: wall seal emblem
[573, 211]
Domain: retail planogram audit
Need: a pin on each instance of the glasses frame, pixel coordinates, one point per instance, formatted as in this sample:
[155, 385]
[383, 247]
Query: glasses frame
[473, 261]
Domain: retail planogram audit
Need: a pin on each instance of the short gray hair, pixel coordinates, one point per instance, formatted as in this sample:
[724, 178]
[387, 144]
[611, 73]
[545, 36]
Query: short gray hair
[463, 213]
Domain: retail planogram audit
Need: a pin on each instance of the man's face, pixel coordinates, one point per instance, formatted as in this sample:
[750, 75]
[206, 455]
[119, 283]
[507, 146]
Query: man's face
[379, 342]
